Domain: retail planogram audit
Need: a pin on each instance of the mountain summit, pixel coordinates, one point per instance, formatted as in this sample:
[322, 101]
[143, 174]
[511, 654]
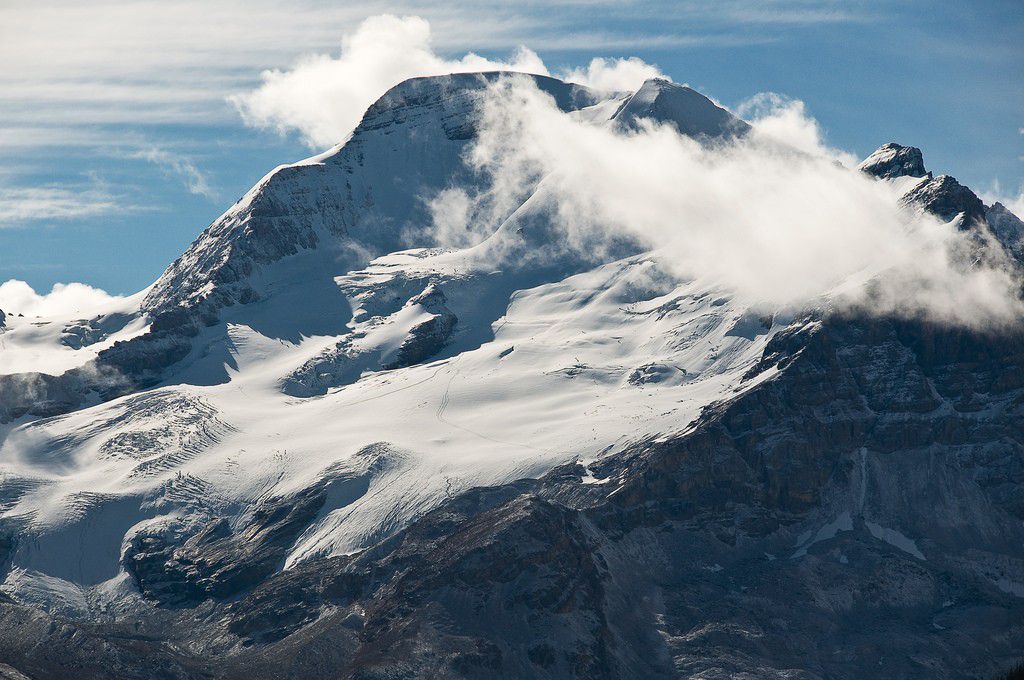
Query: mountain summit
[893, 160]
[690, 112]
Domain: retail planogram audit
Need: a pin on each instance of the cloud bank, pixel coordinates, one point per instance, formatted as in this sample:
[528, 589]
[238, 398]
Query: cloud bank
[323, 97]
[781, 224]
[614, 75]
[783, 120]
[64, 299]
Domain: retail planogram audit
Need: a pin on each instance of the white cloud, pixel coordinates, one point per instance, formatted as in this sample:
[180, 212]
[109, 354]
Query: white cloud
[453, 215]
[64, 299]
[785, 120]
[180, 166]
[777, 225]
[324, 97]
[621, 75]
[30, 204]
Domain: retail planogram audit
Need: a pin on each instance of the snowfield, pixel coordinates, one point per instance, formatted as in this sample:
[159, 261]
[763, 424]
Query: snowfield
[571, 371]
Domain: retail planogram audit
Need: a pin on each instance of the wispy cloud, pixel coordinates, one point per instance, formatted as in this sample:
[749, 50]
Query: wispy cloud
[774, 13]
[996, 193]
[41, 136]
[22, 206]
[94, 63]
[180, 166]
[19, 205]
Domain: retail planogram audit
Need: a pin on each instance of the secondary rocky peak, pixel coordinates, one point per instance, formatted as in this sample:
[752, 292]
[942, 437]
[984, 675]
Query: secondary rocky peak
[945, 197]
[895, 160]
[692, 113]
[1006, 227]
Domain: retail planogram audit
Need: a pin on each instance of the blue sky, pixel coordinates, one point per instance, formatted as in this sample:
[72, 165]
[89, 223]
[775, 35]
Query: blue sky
[118, 144]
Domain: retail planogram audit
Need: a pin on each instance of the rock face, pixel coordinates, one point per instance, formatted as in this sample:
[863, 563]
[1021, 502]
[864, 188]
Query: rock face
[39, 394]
[91, 331]
[946, 198]
[216, 562]
[893, 160]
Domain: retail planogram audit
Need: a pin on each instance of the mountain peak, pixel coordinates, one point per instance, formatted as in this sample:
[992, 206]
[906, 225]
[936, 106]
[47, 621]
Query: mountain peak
[452, 96]
[893, 160]
[689, 111]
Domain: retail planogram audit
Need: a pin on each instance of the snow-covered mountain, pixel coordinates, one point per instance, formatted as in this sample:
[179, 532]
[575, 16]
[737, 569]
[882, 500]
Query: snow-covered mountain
[319, 444]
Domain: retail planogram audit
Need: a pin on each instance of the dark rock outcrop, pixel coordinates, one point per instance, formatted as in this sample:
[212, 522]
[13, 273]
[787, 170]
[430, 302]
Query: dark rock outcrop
[44, 647]
[426, 338]
[88, 332]
[945, 197]
[217, 562]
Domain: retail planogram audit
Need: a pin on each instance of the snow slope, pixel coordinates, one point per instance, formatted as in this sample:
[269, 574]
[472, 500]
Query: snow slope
[573, 370]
